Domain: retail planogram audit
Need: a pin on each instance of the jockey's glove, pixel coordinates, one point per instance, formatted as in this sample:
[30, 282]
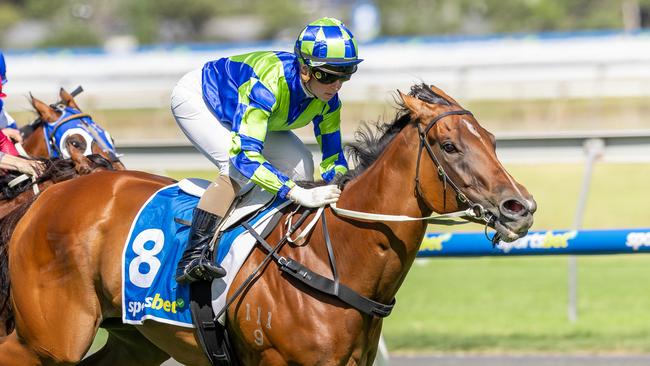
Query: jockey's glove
[314, 197]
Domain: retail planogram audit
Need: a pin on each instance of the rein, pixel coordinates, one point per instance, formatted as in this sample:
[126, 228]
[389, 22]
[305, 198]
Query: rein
[316, 281]
[306, 276]
[272, 253]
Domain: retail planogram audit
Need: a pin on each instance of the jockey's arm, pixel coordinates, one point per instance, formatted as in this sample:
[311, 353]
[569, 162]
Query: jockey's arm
[9, 127]
[328, 135]
[15, 163]
[246, 156]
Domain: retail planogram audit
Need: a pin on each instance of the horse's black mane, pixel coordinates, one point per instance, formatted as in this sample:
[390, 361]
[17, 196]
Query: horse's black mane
[56, 169]
[370, 144]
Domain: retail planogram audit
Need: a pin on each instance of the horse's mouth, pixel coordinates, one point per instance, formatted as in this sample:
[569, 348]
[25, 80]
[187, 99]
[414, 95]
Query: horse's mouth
[506, 234]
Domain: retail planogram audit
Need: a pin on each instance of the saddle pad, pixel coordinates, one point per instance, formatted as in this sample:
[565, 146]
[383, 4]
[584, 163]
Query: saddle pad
[156, 243]
[153, 247]
[253, 198]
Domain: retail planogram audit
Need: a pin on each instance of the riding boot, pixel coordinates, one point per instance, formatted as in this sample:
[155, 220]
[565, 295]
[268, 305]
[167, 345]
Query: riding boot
[195, 265]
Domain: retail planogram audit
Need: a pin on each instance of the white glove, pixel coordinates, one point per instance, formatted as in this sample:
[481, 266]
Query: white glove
[314, 197]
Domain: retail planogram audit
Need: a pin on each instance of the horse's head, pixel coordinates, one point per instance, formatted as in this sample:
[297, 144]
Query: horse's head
[66, 127]
[456, 150]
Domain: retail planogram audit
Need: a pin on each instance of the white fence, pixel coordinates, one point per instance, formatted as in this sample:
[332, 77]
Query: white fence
[496, 68]
[627, 146]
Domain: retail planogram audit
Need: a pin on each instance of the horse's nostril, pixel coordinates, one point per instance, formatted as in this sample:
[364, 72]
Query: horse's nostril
[513, 206]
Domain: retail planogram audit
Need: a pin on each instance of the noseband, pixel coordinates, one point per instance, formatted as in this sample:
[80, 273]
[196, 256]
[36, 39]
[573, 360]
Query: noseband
[479, 212]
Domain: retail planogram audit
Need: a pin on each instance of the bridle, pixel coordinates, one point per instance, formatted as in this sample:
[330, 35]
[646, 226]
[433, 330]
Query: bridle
[479, 212]
[474, 212]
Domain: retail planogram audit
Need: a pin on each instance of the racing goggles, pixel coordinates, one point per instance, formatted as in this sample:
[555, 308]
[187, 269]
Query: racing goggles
[331, 75]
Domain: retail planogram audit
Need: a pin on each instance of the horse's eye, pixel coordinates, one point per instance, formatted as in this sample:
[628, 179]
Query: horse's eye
[449, 147]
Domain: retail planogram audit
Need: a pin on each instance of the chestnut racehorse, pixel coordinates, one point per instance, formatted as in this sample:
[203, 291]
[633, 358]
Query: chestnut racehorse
[15, 199]
[86, 139]
[65, 254]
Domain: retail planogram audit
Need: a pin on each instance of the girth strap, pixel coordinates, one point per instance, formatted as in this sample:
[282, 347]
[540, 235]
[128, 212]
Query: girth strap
[344, 293]
[323, 284]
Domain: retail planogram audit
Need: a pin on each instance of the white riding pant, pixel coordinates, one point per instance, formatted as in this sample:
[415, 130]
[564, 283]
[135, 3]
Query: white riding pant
[282, 149]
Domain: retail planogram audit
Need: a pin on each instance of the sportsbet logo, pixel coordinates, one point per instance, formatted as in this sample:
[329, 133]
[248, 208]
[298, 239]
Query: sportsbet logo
[156, 303]
[434, 243]
[638, 240]
[548, 240]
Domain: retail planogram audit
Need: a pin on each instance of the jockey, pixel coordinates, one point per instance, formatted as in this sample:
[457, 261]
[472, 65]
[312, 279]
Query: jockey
[7, 123]
[238, 111]
[9, 159]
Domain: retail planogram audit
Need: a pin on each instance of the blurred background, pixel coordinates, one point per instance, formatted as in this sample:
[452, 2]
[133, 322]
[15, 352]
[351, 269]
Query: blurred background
[546, 76]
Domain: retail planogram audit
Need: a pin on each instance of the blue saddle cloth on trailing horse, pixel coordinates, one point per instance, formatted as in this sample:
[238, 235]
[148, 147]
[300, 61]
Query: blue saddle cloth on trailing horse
[154, 246]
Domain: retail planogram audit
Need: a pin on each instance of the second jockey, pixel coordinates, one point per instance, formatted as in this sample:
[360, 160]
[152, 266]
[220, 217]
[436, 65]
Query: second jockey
[7, 123]
[239, 110]
[9, 159]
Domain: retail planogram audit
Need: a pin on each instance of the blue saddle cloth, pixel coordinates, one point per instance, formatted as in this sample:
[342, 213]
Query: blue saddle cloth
[153, 248]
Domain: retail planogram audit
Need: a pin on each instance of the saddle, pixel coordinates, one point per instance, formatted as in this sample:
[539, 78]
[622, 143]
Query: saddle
[248, 201]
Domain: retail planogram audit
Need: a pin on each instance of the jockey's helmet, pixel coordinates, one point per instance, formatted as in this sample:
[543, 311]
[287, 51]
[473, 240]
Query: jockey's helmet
[328, 44]
[3, 68]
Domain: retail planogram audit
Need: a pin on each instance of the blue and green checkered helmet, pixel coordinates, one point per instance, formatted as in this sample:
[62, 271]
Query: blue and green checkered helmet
[328, 42]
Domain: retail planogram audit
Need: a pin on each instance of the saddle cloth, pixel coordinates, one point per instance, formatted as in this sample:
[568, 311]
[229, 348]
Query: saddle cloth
[156, 243]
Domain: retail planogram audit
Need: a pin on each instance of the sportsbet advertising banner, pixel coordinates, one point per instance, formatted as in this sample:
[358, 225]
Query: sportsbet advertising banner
[538, 243]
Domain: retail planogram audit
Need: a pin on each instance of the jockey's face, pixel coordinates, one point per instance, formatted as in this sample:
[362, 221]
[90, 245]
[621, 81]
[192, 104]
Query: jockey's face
[322, 91]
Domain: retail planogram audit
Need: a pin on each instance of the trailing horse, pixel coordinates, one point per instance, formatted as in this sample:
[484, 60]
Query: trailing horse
[16, 196]
[66, 125]
[65, 255]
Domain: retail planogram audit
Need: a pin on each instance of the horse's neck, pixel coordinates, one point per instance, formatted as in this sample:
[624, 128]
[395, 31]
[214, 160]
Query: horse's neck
[9, 205]
[35, 144]
[387, 187]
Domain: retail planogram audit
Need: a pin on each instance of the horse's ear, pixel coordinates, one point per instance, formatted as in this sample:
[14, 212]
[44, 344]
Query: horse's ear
[68, 99]
[415, 105]
[46, 112]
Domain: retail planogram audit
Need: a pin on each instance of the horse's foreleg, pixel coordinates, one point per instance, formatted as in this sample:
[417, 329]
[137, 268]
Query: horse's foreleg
[178, 342]
[13, 352]
[126, 347]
